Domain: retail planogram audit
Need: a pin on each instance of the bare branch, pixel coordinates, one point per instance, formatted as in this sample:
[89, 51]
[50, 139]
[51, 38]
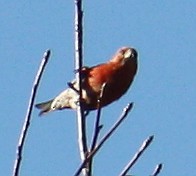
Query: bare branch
[97, 127]
[82, 140]
[124, 114]
[27, 120]
[157, 169]
[144, 146]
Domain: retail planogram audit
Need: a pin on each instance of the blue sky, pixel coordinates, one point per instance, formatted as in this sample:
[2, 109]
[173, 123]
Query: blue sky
[164, 93]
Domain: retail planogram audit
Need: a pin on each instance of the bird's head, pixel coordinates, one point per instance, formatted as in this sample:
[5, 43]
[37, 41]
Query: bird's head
[125, 54]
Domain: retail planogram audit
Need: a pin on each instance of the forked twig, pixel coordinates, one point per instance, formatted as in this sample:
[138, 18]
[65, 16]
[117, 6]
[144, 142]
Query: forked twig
[157, 169]
[27, 120]
[143, 147]
[124, 114]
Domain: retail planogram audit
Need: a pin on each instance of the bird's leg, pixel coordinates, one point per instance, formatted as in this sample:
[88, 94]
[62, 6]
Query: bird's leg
[83, 71]
[72, 87]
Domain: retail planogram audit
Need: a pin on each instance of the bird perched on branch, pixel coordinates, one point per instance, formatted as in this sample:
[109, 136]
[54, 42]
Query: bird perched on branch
[111, 79]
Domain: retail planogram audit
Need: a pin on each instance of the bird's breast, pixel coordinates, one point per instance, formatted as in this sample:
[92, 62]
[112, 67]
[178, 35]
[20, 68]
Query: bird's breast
[117, 77]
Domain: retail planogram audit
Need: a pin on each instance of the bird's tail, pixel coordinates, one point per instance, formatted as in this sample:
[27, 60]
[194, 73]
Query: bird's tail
[44, 106]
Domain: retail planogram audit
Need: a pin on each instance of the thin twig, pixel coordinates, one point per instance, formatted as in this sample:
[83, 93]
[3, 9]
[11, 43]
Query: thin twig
[143, 147]
[97, 126]
[27, 120]
[82, 140]
[157, 169]
[124, 114]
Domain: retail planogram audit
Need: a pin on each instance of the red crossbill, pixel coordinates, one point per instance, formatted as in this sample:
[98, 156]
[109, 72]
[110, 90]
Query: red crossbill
[117, 75]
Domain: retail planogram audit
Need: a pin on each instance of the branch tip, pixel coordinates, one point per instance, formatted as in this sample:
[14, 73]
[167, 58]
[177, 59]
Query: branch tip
[47, 54]
[100, 127]
[137, 155]
[157, 169]
[128, 108]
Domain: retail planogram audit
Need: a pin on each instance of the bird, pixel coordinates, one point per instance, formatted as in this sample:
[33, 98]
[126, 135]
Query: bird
[101, 84]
